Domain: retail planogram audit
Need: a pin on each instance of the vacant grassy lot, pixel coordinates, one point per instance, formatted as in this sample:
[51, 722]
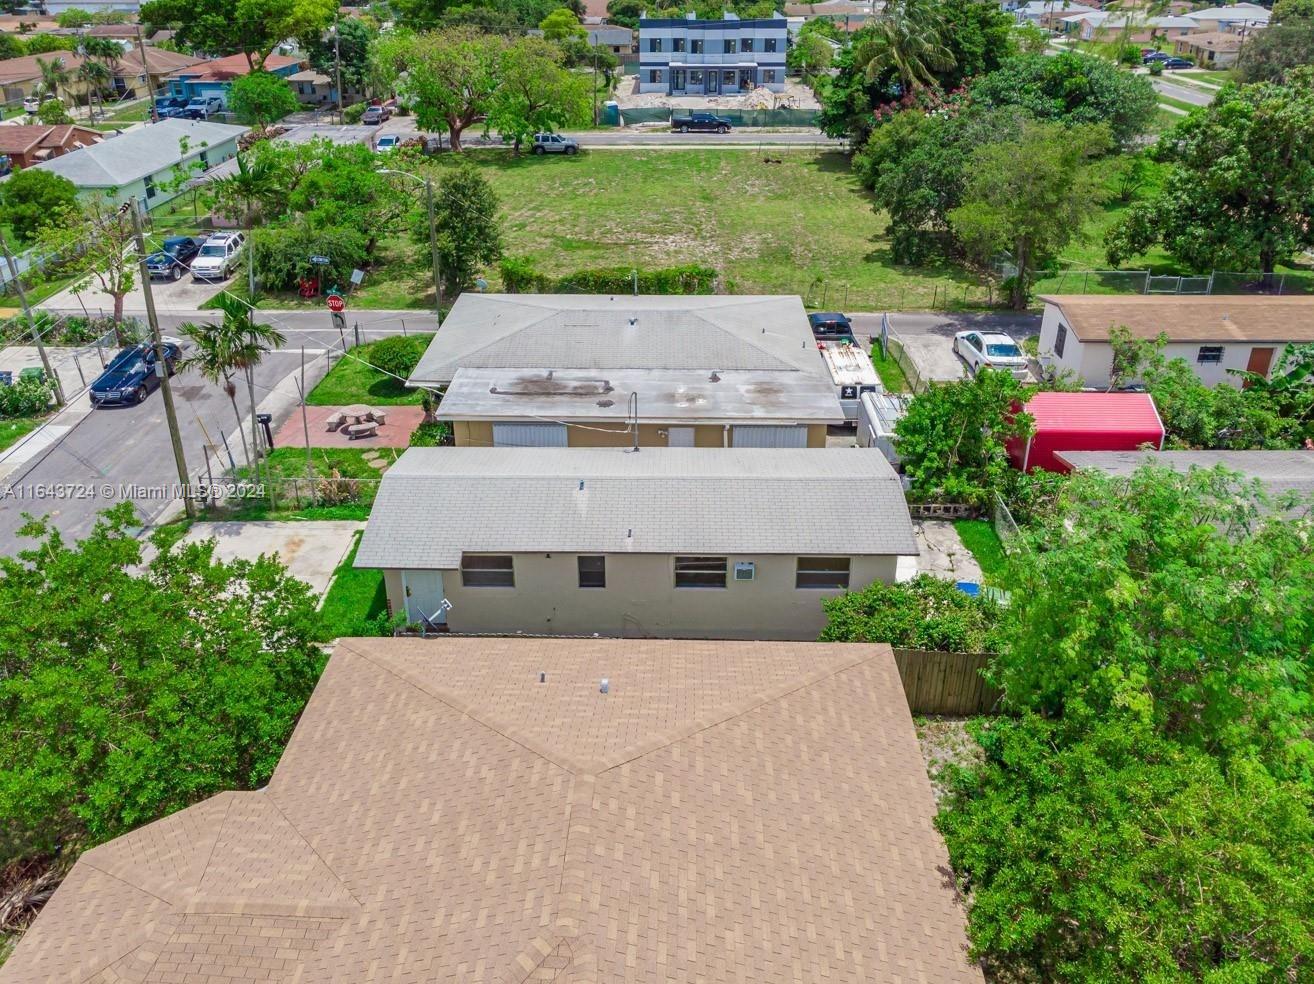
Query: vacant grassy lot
[354, 380]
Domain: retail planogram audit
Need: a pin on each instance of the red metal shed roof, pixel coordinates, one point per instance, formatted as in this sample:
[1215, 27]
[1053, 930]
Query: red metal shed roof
[1094, 412]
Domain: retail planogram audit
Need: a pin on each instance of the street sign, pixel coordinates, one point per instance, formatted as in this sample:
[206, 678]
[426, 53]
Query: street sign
[336, 303]
[339, 321]
[357, 276]
[320, 260]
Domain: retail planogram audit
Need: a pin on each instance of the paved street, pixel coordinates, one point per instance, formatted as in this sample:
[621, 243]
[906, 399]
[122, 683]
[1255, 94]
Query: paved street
[1184, 93]
[119, 446]
[627, 138]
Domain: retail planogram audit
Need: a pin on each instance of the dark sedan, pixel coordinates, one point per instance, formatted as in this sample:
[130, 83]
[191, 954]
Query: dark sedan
[166, 107]
[130, 375]
[171, 262]
[831, 326]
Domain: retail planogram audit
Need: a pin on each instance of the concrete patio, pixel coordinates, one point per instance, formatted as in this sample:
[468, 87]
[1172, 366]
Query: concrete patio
[396, 433]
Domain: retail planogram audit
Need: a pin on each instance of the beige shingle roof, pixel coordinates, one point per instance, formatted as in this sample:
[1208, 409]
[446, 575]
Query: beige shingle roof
[729, 811]
[1190, 318]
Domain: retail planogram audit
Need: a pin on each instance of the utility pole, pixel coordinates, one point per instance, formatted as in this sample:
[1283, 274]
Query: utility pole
[31, 321]
[161, 366]
[146, 70]
[595, 85]
[433, 248]
[337, 67]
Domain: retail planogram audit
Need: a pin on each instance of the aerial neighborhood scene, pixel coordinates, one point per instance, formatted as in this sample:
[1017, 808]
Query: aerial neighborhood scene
[675, 491]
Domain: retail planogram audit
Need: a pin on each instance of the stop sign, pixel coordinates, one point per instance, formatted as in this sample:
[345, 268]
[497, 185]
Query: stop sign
[336, 303]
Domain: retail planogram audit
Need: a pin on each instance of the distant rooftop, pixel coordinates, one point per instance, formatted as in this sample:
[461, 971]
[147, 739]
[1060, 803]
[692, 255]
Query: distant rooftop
[436, 503]
[1277, 471]
[134, 154]
[1190, 317]
[727, 812]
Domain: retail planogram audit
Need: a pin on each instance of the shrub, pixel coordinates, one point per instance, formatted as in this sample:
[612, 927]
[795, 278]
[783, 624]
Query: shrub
[924, 613]
[519, 276]
[27, 397]
[396, 355]
[352, 114]
[435, 435]
[282, 253]
[1156, 68]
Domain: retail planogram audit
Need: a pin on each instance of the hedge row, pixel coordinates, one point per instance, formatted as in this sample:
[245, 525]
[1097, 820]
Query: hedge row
[519, 277]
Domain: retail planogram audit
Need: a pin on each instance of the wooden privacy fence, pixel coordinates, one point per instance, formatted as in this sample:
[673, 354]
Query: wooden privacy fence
[938, 682]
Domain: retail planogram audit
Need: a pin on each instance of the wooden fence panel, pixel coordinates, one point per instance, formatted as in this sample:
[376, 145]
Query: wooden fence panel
[946, 683]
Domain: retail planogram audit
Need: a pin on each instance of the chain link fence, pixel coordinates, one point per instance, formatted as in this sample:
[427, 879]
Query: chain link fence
[784, 117]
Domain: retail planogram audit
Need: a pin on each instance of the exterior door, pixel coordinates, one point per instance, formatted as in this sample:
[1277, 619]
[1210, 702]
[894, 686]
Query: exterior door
[713, 81]
[680, 437]
[529, 435]
[765, 436]
[1261, 361]
[424, 596]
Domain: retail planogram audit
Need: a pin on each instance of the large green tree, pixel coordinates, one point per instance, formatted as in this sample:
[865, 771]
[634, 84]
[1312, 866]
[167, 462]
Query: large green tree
[96, 236]
[131, 690]
[252, 27]
[1071, 88]
[535, 92]
[1270, 55]
[30, 197]
[468, 226]
[261, 98]
[1240, 192]
[353, 50]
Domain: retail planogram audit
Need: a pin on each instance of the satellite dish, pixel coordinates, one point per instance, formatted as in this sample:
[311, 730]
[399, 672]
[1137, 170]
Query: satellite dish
[481, 284]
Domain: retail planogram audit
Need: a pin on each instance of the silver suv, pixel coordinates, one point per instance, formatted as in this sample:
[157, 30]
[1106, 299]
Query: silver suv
[219, 256]
[554, 143]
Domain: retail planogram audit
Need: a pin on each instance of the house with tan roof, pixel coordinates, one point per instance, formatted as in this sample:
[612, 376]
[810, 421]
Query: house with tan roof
[1212, 333]
[722, 543]
[585, 370]
[1216, 49]
[489, 810]
[27, 145]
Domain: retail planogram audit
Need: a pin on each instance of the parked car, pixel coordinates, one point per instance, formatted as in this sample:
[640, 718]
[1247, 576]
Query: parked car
[1178, 63]
[1154, 56]
[202, 108]
[991, 349]
[831, 326]
[169, 106]
[130, 375]
[31, 104]
[701, 122]
[6, 165]
[387, 142]
[173, 258]
[219, 256]
[554, 143]
[373, 116]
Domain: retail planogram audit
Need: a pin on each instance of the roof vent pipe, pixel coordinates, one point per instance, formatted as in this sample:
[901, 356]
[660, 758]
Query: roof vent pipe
[605, 686]
[542, 677]
[581, 485]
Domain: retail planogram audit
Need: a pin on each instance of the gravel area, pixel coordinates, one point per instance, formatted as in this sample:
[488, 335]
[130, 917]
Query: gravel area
[796, 96]
[945, 741]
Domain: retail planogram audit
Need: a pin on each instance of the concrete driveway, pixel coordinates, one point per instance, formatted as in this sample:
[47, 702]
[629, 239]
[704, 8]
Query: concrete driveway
[311, 550]
[928, 338]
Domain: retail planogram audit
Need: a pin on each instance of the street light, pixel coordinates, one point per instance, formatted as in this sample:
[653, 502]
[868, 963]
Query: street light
[433, 236]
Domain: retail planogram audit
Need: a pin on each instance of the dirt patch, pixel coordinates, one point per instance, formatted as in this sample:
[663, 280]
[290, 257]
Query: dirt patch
[796, 96]
[945, 741]
[25, 886]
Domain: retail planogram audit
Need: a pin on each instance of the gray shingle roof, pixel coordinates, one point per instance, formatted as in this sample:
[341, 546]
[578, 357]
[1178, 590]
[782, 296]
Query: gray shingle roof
[594, 331]
[436, 503]
[1277, 471]
[136, 154]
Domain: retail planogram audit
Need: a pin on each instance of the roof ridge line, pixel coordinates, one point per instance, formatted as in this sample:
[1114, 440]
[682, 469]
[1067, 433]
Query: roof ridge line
[725, 714]
[488, 721]
[489, 343]
[269, 795]
[742, 340]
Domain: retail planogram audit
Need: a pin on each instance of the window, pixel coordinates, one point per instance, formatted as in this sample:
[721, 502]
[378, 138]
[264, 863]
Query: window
[677, 44]
[696, 78]
[700, 572]
[1209, 355]
[150, 188]
[747, 45]
[592, 572]
[731, 45]
[654, 44]
[655, 75]
[696, 46]
[769, 44]
[768, 76]
[205, 160]
[822, 572]
[1060, 339]
[487, 571]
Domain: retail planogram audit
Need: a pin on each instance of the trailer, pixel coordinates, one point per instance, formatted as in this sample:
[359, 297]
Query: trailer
[852, 371]
[878, 413]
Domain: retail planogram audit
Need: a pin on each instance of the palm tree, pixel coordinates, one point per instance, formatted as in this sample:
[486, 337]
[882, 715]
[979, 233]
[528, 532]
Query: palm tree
[235, 345]
[94, 75]
[907, 38]
[54, 76]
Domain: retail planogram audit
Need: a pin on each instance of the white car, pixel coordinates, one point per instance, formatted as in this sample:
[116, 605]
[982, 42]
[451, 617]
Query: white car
[387, 142]
[991, 349]
[219, 256]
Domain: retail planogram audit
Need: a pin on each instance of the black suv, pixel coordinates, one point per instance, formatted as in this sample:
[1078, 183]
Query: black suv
[831, 326]
[172, 261]
[130, 375]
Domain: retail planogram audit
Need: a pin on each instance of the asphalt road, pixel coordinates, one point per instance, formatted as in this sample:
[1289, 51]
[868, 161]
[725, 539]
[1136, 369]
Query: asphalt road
[1019, 325]
[625, 138]
[1185, 94]
[129, 446]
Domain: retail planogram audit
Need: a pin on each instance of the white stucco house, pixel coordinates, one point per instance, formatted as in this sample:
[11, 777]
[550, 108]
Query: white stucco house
[1213, 333]
[152, 164]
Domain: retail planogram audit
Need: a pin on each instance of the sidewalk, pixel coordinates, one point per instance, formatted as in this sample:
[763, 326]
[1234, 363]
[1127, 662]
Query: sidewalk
[311, 550]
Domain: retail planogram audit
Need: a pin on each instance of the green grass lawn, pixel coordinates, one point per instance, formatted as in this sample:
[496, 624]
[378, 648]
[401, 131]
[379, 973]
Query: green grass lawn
[1205, 75]
[353, 380]
[981, 540]
[1181, 104]
[892, 377]
[356, 603]
[295, 496]
[14, 428]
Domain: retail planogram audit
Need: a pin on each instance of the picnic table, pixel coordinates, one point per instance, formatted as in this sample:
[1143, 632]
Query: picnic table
[358, 420]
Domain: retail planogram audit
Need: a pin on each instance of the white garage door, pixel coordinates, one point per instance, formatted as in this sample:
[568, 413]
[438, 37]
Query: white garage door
[529, 435]
[760, 436]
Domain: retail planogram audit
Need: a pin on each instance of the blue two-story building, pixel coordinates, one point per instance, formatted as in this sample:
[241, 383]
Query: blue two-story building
[685, 56]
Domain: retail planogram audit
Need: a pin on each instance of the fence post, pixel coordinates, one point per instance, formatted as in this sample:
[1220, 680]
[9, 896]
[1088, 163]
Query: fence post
[1085, 282]
[1282, 282]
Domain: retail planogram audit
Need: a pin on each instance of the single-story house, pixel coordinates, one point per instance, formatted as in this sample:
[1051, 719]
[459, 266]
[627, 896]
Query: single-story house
[1102, 25]
[615, 38]
[1065, 422]
[1279, 473]
[730, 543]
[584, 370]
[131, 69]
[152, 163]
[314, 88]
[54, 8]
[1213, 48]
[486, 810]
[1213, 333]
[1048, 13]
[21, 77]
[26, 145]
[214, 78]
[1234, 18]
